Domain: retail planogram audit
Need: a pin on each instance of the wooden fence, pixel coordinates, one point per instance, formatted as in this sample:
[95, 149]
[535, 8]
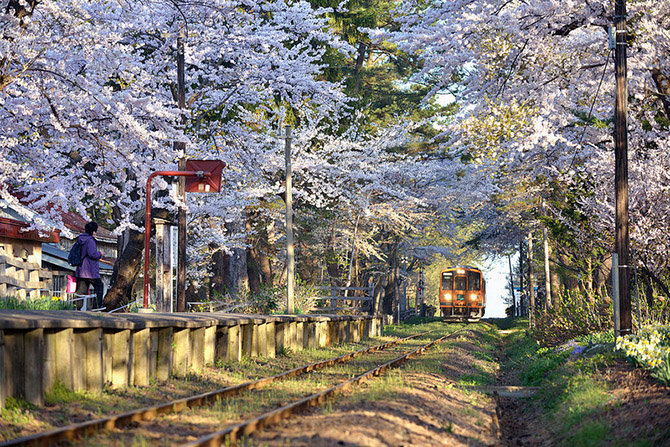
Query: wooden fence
[338, 299]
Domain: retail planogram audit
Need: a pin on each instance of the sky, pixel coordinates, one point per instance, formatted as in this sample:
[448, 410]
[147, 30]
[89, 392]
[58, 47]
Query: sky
[496, 279]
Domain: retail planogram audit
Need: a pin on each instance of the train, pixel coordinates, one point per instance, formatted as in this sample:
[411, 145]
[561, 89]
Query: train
[462, 294]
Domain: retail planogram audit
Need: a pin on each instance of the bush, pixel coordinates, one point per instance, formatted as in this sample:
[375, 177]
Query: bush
[266, 301]
[305, 296]
[575, 314]
[53, 303]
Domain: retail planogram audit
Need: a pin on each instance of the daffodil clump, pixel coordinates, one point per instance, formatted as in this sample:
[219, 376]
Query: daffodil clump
[650, 347]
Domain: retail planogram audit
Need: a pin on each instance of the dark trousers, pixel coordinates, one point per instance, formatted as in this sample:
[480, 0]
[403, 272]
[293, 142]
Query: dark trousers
[82, 289]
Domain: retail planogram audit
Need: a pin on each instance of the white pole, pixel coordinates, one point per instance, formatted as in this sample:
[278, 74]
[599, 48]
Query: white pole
[290, 261]
[615, 293]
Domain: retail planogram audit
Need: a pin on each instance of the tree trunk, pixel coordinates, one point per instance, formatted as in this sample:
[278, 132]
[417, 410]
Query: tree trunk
[658, 282]
[391, 289]
[531, 281]
[126, 270]
[221, 277]
[253, 270]
[332, 266]
[267, 250]
[648, 291]
[258, 264]
[663, 87]
[555, 288]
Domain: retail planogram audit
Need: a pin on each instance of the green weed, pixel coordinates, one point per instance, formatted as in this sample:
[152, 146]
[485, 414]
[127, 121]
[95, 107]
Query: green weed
[60, 394]
[284, 351]
[17, 412]
[53, 303]
[662, 371]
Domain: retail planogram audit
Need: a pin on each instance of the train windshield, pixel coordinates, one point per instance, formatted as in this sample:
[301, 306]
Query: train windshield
[474, 281]
[459, 283]
[447, 280]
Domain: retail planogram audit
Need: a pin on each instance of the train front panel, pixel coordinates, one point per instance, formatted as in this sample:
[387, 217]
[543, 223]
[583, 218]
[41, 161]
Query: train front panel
[462, 293]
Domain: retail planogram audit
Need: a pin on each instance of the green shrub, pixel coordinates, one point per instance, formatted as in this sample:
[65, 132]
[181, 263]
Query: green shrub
[576, 314]
[52, 303]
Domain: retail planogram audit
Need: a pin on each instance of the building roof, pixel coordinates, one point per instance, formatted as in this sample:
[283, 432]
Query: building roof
[76, 223]
[14, 225]
[73, 222]
[54, 255]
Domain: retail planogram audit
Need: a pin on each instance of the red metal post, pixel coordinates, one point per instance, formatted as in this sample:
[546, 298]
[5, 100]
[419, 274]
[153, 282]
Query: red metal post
[147, 220]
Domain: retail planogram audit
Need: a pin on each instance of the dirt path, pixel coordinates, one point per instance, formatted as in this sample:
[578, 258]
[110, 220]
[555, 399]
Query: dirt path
[416, 405]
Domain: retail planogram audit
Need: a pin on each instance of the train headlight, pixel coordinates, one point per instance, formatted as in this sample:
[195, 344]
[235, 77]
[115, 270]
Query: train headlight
[448, 297]
[473, 297]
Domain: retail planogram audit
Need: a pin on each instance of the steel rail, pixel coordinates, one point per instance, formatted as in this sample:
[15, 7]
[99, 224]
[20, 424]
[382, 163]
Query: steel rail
[230, 435]
[89, 428]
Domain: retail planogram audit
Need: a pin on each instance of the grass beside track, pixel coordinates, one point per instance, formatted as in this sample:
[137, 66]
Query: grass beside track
[576, 405]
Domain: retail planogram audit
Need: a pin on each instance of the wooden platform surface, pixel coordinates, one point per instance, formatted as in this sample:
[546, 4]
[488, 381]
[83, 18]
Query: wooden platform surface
[34, 319]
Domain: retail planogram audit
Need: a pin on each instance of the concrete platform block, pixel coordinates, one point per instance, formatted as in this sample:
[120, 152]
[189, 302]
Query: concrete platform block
[221, 344]
[197, 356]
[141, 357]
[260, 340]
[247, 337]
[357, 330]
[117, 358]
[14, 364]
[322, 334]
[292, 335]
[164, 354]
[87, 368]
[300, 335]
[210, 345]
[181, 348]
[234, 352]
[280, 329]
[34, 355]
[312, 335]
[270, 343]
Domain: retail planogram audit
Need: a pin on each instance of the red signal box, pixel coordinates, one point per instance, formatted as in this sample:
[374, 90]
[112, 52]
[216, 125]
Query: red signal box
[207, 183]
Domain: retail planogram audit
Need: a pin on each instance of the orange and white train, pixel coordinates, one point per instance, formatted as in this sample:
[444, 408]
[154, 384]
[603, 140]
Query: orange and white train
[462, 294]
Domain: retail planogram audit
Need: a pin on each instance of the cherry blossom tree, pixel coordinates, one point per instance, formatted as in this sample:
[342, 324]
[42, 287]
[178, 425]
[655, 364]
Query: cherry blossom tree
[535, 81]
[87, 105]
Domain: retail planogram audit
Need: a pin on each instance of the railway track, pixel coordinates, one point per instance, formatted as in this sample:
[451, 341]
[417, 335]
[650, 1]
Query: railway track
[273, 408]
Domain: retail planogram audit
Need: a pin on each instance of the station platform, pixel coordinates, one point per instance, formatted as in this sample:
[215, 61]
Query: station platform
[87, 350]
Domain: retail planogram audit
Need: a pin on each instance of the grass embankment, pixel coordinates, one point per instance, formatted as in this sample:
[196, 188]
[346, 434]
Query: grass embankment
[580, 402]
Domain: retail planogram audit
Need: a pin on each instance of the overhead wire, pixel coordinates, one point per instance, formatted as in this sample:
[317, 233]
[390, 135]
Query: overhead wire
[590, 114]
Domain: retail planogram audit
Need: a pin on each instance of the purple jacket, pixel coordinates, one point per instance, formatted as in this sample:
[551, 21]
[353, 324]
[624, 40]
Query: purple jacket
[90, 255]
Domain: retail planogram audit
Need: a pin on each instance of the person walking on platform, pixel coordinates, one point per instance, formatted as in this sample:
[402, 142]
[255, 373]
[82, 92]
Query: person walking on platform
[89, 271]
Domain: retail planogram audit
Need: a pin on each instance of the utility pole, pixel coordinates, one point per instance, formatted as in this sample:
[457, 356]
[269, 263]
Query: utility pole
[290, 259]
[531, 290]
[511, 285]
[547, 272]
[180, 148]
[521, 293]
[621, 166]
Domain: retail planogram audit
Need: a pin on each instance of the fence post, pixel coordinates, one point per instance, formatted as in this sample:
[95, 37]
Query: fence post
[333, 300]
[371, 294]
